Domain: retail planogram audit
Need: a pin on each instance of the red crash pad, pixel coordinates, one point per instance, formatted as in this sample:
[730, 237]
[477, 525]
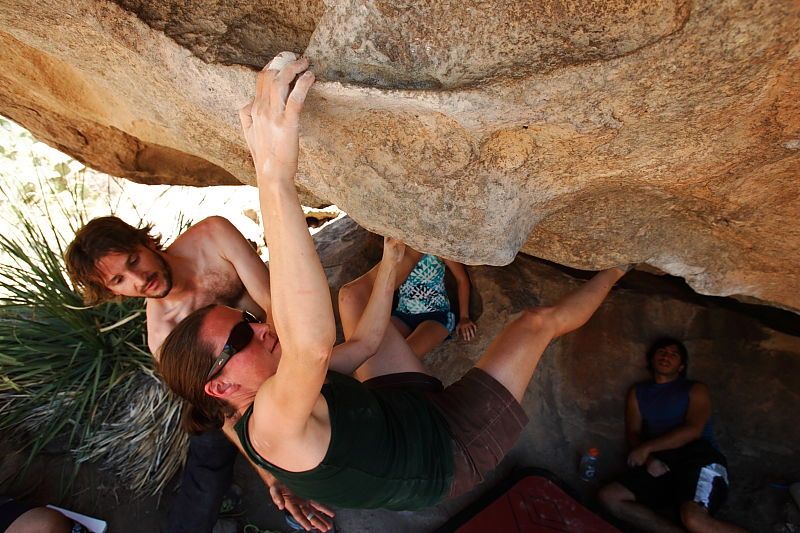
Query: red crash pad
[535, 505]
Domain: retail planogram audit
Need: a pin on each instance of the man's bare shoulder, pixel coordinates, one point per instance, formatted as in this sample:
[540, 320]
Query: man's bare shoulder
[699, 388]
[630, 397]
[205, 235]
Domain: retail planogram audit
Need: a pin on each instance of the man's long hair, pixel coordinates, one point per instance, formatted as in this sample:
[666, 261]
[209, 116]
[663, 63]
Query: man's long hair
[663, 342]
[184, 362]
[95, 240]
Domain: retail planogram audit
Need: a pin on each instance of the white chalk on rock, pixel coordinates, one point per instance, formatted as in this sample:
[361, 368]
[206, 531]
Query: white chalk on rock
[281, 60]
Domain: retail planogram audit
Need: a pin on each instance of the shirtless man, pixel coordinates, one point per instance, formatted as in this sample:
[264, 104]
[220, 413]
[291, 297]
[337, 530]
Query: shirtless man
[211, 262]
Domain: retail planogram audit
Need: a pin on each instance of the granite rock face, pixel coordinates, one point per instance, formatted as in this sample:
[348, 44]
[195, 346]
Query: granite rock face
[586, 133]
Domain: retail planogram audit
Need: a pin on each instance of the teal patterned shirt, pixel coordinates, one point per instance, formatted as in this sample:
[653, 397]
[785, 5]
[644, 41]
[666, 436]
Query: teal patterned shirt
[423, 291]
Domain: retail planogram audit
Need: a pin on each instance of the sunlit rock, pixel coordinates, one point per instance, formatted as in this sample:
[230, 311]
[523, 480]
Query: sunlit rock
[587, 133]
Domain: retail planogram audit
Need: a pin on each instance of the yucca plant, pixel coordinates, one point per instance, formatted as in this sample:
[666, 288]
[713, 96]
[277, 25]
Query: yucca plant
[79, 375]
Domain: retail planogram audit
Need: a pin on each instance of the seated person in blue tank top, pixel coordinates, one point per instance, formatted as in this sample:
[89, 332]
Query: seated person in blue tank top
[392, 436]
[674, 457]
[423, 314]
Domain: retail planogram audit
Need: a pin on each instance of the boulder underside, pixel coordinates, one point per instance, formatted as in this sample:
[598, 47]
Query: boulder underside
[585, 133]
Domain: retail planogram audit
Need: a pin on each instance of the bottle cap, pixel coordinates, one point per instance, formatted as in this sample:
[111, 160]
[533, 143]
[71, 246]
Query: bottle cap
[594, 452]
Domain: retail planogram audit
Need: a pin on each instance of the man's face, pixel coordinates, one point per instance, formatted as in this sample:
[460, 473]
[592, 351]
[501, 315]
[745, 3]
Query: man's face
[667, 361]
[141, 273]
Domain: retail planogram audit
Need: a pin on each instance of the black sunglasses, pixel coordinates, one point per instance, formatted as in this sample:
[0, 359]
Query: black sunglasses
[240, 336]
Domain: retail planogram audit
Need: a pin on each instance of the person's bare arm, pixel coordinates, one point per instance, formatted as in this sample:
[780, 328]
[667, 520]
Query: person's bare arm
[696, 418]
[301, 305]
[371, 327]
[235, 249]
[633, 420]
[633, 434]
[466, 328]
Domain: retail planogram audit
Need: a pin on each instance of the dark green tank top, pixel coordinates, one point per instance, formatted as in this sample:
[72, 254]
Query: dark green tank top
[389, 448]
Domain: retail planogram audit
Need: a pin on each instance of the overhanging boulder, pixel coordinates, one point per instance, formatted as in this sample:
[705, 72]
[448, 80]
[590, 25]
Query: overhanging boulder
[586, 133]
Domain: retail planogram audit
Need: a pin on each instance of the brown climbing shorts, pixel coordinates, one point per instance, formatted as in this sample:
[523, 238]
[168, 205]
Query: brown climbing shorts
[483, 418]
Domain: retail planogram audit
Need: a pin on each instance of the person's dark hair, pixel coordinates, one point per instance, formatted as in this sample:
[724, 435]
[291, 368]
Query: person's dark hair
[96, 239]
[663, 342]
[183, 365]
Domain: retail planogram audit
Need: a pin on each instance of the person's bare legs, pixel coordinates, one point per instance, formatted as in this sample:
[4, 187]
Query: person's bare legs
[621, 502]
[401, 326]
[696, 519]
[393, 355]
[512, 357]
[427, 336]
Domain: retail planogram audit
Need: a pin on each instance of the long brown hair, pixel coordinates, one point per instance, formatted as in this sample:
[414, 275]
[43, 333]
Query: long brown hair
[96, 239]
[185, 360]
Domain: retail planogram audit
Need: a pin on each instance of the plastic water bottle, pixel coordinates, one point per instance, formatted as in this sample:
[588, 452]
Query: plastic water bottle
[588, 466]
